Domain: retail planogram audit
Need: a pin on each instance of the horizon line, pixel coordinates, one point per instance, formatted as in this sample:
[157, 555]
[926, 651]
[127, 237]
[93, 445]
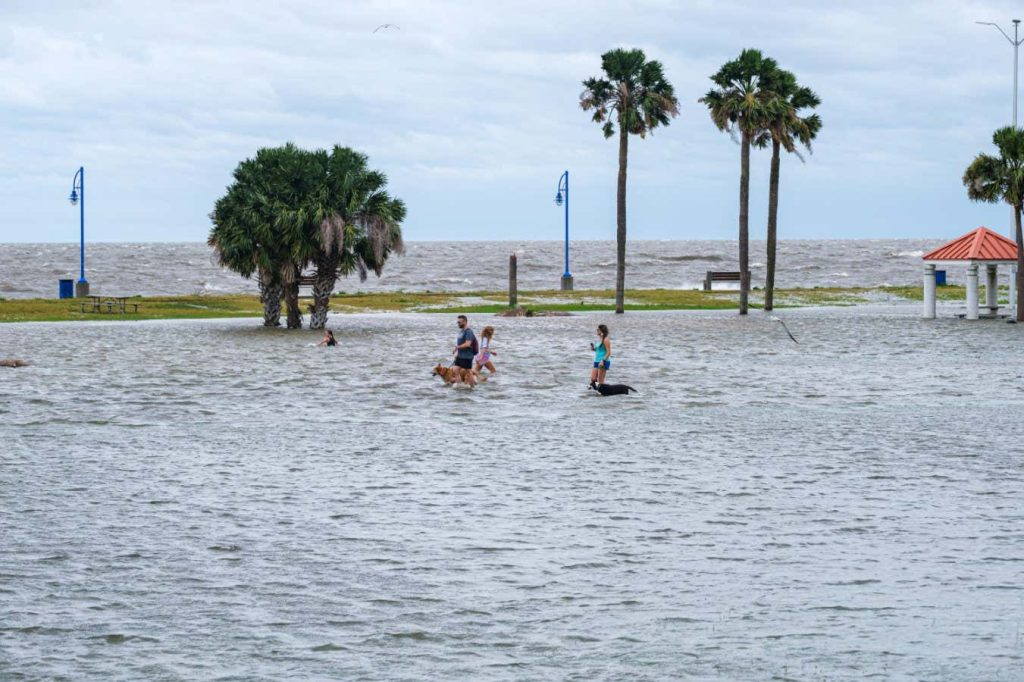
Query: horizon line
[610, 240]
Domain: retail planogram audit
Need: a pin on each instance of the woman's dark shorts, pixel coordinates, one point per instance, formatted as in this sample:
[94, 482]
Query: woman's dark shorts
[464, 363]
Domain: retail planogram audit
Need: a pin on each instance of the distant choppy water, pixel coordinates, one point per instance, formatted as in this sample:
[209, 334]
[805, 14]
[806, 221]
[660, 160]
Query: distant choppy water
[32, 270]
[845, 508]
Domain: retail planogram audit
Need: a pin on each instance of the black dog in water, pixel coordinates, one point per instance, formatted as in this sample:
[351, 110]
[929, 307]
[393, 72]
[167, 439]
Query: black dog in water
[612, 389]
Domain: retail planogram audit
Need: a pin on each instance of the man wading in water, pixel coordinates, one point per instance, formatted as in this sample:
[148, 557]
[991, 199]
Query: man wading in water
[465, 349]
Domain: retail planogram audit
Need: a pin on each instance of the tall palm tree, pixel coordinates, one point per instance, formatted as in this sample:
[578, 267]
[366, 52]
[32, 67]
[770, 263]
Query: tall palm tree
[245, 237]
[1001, 178]
[299, 178]
[788, 129]
[256, 228]
[743, 104]
[636, 94]
[356, 224]
[236, 245]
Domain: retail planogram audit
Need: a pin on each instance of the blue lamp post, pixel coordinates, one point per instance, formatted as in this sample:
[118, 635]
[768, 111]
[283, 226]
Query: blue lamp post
[78, 197]
[563, 187]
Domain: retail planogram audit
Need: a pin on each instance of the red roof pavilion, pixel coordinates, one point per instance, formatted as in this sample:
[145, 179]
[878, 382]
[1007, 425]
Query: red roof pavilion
[981, 244]
[980, 249]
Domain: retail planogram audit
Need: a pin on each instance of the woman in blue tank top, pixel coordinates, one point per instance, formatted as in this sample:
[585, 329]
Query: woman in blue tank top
[602, 355]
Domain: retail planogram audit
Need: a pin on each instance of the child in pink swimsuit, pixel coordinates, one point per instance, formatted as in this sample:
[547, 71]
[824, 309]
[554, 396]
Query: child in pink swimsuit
[483, 358]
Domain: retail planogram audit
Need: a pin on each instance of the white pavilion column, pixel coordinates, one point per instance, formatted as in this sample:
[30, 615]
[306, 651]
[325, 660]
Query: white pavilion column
[929, 291]
[1013, 288]
[972, 291]
[992, 287]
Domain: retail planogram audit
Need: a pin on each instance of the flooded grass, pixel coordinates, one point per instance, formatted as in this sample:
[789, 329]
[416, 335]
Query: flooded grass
[590, 300]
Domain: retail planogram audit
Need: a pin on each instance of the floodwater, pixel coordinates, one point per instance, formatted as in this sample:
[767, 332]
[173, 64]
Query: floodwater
[174, 269]
[215, 500]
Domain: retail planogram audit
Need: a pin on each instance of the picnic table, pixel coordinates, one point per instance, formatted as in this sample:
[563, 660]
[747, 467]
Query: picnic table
[108, 304]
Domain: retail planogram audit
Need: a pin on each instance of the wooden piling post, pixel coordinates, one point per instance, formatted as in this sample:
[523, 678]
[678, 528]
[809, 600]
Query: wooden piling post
[513, 286]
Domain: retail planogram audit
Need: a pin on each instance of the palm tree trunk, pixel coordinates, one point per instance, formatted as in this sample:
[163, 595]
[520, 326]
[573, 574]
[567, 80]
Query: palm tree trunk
[291, 300]
[326, 276]
[744, 220]
[1020, 264]
[290, 284]
[270, 297]
[773, 222]
[620, 233]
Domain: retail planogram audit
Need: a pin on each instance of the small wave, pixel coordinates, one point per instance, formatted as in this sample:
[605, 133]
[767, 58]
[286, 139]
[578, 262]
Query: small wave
[53, 558]
[329, 647]
[415, 635]
[683, 259]
[847, 583]
[37, 630]
[118, 638]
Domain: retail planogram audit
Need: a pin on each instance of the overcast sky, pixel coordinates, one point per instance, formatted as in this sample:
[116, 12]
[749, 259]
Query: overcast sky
[472, 111]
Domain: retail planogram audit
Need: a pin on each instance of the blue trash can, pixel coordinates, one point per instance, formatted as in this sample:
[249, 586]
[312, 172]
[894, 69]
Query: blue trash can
[940, 278]
[67, 288]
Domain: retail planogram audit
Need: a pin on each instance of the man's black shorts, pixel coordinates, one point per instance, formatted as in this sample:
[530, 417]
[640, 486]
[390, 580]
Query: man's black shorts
[464, 363]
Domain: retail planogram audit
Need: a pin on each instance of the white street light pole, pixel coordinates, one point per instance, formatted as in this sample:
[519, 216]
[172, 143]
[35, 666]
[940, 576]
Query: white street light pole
[1015, 41]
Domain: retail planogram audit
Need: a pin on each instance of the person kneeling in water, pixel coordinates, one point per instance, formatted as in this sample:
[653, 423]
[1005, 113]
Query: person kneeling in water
[328, 339]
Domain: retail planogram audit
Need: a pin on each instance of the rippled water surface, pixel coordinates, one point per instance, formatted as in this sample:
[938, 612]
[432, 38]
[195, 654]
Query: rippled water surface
[215, 500]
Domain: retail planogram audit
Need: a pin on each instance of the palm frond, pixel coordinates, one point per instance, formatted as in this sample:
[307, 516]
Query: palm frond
[632, 88]
[757, 98]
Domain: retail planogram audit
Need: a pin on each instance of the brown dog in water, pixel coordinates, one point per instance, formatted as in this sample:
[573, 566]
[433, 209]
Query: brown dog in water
[453, 375]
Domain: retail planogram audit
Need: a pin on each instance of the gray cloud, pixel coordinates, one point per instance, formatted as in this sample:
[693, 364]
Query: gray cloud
[472, 111]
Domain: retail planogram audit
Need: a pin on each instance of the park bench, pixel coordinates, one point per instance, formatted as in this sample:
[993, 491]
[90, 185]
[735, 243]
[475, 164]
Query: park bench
[108, 304]
[310, 280]
[719, 276]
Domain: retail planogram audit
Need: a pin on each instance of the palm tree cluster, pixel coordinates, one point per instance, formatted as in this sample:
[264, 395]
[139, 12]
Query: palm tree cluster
[754, 100]
[1001, 178]
[762, 104]
[289, 209]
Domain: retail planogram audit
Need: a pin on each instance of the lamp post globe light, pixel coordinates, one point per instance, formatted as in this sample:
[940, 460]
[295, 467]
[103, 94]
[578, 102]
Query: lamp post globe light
[560, 198]
[78, 197]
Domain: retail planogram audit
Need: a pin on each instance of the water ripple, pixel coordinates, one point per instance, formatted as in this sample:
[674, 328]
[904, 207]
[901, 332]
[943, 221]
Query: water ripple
[223, 500]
